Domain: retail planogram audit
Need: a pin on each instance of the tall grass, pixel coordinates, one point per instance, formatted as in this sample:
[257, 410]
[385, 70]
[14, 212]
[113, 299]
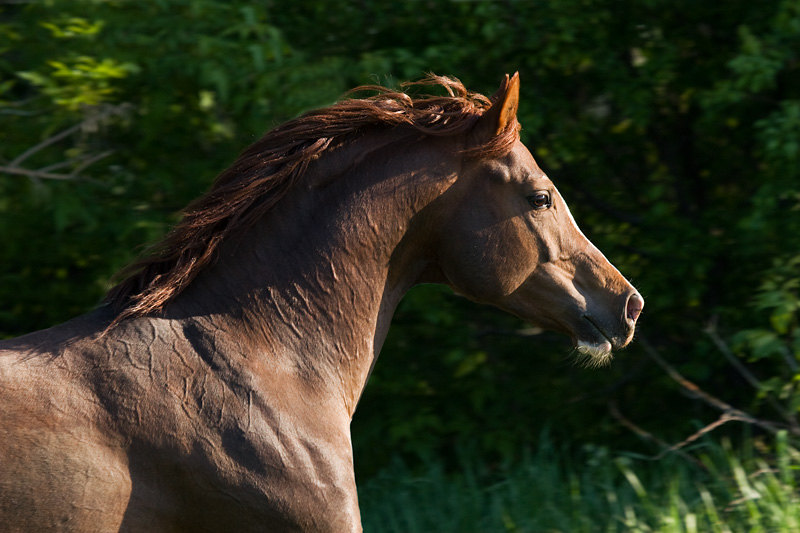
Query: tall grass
[734, 490]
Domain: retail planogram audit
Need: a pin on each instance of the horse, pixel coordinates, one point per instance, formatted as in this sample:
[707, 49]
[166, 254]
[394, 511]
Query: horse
[213, 388]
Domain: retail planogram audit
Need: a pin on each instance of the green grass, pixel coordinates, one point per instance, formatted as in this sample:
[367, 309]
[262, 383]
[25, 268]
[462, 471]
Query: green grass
[545, 492]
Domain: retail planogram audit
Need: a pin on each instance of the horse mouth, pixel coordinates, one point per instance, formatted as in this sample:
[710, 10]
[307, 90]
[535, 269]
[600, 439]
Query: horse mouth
[598, 351]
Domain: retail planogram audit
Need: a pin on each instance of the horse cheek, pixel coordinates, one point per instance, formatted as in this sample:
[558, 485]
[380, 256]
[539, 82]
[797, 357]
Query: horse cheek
[491, 265]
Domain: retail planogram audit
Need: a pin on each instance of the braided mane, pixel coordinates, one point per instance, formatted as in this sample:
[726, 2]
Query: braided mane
[267, 169]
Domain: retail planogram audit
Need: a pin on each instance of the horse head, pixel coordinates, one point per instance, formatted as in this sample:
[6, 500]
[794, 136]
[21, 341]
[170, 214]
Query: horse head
[507, 238]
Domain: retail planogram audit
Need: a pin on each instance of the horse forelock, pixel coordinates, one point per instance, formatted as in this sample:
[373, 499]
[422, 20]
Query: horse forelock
[267, 169]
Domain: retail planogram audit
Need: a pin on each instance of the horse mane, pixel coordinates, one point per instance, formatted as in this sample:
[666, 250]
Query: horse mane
[267, 169]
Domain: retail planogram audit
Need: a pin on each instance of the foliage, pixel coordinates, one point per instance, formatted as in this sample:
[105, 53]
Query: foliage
[599, 491]
[672, 128]
[775, 346]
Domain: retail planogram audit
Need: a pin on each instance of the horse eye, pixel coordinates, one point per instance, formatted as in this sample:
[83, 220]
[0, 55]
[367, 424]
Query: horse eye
[540, 200]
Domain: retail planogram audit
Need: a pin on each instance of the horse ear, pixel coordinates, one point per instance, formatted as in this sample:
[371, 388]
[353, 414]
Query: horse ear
[503, 110]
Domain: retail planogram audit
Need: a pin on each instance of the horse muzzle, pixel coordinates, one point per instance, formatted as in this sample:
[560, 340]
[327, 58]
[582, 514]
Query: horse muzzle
[604, 332]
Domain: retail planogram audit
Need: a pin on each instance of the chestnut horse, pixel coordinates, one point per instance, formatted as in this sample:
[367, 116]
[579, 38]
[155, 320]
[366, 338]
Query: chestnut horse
[213, 391]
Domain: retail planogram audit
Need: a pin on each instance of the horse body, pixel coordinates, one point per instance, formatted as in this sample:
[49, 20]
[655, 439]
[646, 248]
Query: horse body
[229, 408]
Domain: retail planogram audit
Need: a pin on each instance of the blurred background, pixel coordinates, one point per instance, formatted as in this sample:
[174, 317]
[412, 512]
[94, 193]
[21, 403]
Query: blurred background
[672, 128]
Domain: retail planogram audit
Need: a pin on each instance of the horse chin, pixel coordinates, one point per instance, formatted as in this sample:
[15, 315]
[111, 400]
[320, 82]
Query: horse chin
[594, 354]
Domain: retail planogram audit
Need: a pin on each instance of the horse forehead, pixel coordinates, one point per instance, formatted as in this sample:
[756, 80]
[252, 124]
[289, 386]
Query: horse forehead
[519, 165]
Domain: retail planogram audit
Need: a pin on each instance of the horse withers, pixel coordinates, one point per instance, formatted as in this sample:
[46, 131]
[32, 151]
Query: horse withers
[213, 391]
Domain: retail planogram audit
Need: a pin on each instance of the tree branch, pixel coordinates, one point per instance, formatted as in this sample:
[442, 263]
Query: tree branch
[723, 419]
[646, 435]
[44, 144]
[711, 331]
[90, 161]
[82, 162]
[35, 173]
[729, 412]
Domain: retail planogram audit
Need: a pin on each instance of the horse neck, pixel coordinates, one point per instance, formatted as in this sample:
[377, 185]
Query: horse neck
[314, 285]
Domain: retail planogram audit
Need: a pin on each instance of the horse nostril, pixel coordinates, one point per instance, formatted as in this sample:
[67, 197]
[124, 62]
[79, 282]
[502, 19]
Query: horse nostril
[634, 307]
